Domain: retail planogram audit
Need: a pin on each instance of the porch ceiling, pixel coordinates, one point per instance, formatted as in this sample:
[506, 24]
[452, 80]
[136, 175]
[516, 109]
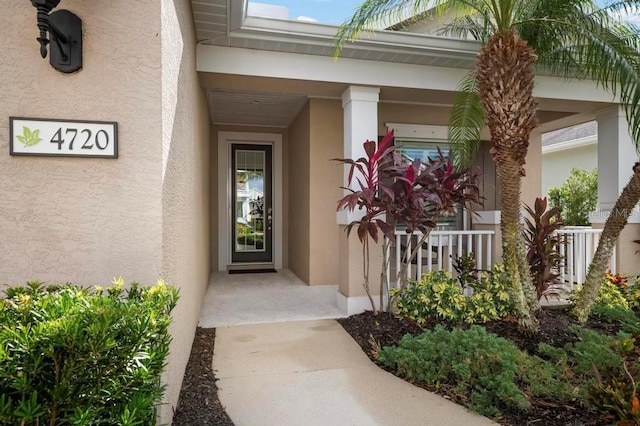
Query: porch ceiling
[256, 108]
[273, 102]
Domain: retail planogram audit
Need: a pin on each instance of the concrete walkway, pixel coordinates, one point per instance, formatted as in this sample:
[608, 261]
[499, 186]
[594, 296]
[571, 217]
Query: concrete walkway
[312, 373]
[263, 298]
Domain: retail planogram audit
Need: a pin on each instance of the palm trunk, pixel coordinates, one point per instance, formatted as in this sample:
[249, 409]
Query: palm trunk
[513, 249]
[613, 226]
[505, 73]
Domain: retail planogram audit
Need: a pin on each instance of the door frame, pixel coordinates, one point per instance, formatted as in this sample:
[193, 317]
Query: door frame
[225, 139]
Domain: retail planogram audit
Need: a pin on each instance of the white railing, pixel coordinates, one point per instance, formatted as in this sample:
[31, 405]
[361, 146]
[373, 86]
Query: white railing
[437, 252]
[578, 246]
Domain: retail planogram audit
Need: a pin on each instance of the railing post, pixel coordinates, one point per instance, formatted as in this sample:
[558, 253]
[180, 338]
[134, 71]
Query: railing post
[398, 258]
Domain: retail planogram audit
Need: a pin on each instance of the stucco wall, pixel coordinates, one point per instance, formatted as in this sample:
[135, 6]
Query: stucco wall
[325, 179]
[410, 114]
[532, 182]
[556, 166]
[143, 215]
[80, 219]
[185, 188]
[299, 194]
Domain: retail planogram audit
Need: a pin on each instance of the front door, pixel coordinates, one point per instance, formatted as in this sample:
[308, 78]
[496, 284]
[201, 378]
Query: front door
[252, 203]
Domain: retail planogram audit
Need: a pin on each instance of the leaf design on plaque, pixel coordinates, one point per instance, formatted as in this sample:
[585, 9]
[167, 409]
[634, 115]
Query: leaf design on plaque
[29, 137]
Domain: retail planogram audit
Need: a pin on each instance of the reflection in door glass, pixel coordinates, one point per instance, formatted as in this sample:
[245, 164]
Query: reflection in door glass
[249, 184]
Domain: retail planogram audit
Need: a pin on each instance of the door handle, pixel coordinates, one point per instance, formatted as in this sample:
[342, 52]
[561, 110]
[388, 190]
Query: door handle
[269, 218]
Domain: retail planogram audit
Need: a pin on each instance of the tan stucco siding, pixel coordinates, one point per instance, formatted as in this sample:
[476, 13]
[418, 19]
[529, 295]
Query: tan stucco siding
[326, 179]
[410, 114]
[626, 250]
[532, 182]
[556, 166]
[80, 219]
[185, 188]
[299, 194]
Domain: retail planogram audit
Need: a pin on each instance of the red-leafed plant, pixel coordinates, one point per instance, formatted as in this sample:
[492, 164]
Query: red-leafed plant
[366, 197]
[542, 244]
[391, 192]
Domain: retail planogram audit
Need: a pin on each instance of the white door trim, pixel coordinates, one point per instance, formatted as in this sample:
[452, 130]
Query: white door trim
[225, 139]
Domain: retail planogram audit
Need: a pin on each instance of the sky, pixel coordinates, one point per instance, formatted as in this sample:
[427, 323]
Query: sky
[337, 11]
[324, 11]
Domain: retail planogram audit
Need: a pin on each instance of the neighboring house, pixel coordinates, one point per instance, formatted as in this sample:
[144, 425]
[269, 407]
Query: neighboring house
[192, 85]
[565, 149]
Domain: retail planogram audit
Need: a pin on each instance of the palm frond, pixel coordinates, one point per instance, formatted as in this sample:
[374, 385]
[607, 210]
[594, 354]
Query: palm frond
[466, 122]
[371, 12]
[473, 25]
[578, 39]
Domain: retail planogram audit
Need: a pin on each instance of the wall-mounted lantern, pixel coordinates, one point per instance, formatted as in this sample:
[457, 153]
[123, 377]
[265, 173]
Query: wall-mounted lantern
[62, 32]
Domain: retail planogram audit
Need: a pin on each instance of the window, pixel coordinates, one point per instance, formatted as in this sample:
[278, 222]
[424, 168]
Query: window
[425, 150]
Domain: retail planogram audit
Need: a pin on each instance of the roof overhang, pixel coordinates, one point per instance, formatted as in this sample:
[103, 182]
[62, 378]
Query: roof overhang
[225, 23]
[225, 60]
[572, 144]
[230, 43]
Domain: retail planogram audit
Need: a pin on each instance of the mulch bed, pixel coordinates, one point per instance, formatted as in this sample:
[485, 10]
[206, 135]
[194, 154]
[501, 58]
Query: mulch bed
[386, 330]
[199, 403]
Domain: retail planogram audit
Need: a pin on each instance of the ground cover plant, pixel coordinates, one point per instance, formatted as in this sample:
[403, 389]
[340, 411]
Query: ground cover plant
[438, 296]
[567, 373]
[76, 356]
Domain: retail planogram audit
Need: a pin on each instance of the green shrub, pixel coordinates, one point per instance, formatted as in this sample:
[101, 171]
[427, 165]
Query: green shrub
[632, 294]
[439, 296]
[243, 229]
[611, 295]
[436, 295]
[577, 196]
[594, 365]
[490, 299]
[593, 350]
[72, 356]
[251, 239]
[615, 390]
[544, 379]
[479, 365]
[626, 318]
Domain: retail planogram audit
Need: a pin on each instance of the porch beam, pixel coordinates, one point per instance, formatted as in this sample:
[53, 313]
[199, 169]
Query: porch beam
[240, 61]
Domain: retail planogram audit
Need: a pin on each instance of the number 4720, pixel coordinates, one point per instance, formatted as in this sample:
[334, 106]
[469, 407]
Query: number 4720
[100, 139]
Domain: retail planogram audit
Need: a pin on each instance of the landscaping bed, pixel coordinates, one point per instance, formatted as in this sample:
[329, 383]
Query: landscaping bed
[199, 403]
[374, 332]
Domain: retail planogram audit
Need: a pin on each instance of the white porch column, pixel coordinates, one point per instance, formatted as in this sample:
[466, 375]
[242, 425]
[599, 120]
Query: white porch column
[616, 156]
[360, 106]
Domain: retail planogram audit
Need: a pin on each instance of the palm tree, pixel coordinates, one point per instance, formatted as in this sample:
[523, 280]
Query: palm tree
[567, 38]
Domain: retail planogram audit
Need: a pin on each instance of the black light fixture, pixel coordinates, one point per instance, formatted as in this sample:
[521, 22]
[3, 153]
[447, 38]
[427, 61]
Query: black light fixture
[62, 32]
